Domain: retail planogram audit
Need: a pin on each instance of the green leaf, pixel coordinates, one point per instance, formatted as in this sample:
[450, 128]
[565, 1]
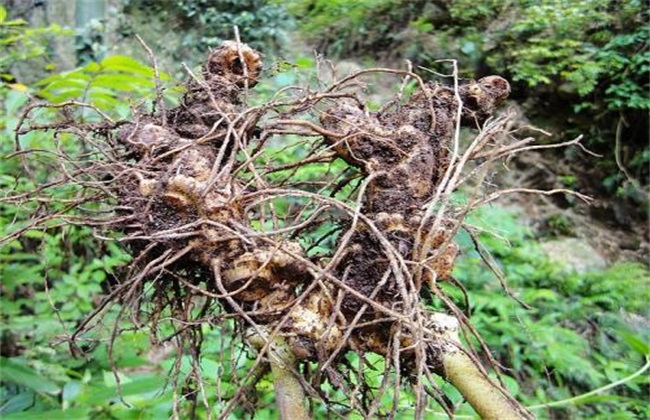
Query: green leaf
[3, 14]
[100, 395]
[304, 62]
[17, 22]
[14, 100]
[635, 342]
[71, 390]
[71, 414]
[111, 382]
[599, 399]
[468, 48]
[127, 65]
[17, 403]
[19, 374]
[122, 82]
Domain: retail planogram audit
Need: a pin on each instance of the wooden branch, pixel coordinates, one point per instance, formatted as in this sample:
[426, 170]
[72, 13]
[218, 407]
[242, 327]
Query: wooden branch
[486, 397]
[289, 394]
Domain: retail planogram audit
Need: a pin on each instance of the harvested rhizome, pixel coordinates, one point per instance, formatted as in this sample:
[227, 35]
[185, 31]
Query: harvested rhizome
[223, 225]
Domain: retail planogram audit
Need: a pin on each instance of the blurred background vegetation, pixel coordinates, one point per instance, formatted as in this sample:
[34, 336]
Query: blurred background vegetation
[577, 67]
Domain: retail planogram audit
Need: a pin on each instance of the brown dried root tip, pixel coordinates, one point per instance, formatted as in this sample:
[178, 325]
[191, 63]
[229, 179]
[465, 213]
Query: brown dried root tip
[249, 270]
[181, 192]
[485, 397]
[226, 61]
[481, 98]
[310, 323]
[147, 186]
[497, 86]
[443, 263]
[391, 222]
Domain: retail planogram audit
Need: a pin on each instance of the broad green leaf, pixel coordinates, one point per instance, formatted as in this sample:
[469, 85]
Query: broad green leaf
[122, 82]
[102, 394]
[635, 342]
[20, 256]
[17, 22]
[71, 390]
[80, 413]
[64, 79]
[17, 403]
[304, 62]
[19, 374]
[126, 64]
[111, 382]
[14, 100]
[93, 67]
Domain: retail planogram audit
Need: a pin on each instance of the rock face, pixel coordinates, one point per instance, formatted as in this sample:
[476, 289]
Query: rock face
[574, 254]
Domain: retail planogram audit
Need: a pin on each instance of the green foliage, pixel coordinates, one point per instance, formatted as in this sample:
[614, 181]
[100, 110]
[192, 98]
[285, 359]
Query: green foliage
[20, 43]
[586, 64]
[558, 225]
[582, 332]
[105, 84]
[51, 279]
[626, 60]
[89, 42]
[345, 19]
[342, 27]
[54, 276]
[325, 178]
[580, 46]
[206, 23]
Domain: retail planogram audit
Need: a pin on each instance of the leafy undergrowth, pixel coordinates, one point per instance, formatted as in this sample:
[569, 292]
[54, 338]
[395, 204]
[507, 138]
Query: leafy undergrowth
[583, 332]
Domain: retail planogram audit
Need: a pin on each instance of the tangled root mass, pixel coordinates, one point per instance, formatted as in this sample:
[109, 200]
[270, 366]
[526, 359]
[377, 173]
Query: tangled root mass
[188, 197]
